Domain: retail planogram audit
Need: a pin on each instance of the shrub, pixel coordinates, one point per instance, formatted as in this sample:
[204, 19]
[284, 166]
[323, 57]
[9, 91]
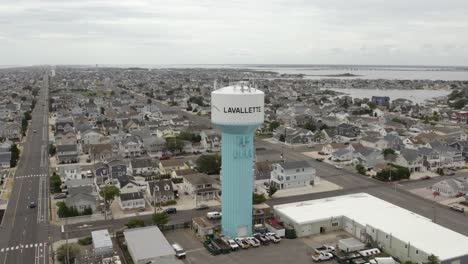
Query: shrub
[85, 241]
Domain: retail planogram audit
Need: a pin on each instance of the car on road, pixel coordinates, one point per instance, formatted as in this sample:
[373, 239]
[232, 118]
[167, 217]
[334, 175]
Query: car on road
[180, 252]
[214, 215]
[426, 178]
[457, 208]
[450, 173]
[319, 159]
[338, 167]
[202, 207]
[32, 205]
[164, 157]
[34, 131]
[170, 210]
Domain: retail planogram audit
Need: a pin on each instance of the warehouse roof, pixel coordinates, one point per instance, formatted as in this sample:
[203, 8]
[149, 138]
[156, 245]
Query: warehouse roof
[147, 242]
[405, 225]
[101, 239]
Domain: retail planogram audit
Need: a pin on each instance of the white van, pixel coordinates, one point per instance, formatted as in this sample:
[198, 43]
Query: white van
[213, 215]
[179, 251]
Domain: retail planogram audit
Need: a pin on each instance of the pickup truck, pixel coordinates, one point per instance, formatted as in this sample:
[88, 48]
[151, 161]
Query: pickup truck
[317, 257]
[325, 249]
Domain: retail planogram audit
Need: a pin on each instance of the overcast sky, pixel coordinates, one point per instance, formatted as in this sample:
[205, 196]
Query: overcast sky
[406, 32]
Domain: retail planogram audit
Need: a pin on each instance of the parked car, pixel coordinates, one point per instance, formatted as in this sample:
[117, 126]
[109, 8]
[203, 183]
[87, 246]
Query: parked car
[253, 241]
[214, 215]
[319, 159]
[60, 196]
[426, 178]
[273, 237]
[318, 257]
[202, 207]
[242, 243]
[325, 249]
[263, 240]
[338, 167]
[32, 205]
[450, 173]
[164, 157]
[457, 208]
[180, 252]
[171, 210]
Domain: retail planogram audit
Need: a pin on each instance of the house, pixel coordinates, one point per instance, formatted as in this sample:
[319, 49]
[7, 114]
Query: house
[211, 140]
[81, 198]
[348, 130]
[131, 200]
[431, 158]
[167, 166]
[12, 131]
[100, 152]
[291, 135]
[373, 142]
[451, 187]
[63, 125]
[449, 157]
[343, 154]
[130, 147]
[294, 174]
[412, 160]
[101, 172]
[128, 184]
[200, 186]
[145, 166]
[381, 100]
[5, 158]
[67, 154]
[69, 171]
[67, 138]
[461, 146]
[117, 168]
[91, 137]
[160, 191]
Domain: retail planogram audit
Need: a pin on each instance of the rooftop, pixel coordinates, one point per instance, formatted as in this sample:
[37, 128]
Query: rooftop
[405, 225]
[147, 242]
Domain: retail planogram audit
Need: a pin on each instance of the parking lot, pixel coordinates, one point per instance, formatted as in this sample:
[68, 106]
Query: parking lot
[287, 251]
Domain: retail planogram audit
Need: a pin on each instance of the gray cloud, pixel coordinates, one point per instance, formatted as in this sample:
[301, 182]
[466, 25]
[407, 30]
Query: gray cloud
[240, 31]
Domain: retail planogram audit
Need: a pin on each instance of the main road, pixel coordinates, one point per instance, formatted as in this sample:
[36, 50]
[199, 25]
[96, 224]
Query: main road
[24, 233]
[349, 181]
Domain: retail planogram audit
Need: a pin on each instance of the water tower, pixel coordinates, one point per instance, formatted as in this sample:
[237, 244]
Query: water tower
[237, 110]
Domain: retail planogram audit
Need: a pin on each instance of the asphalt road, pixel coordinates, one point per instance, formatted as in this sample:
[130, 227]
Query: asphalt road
[350, 182]
[24, 233]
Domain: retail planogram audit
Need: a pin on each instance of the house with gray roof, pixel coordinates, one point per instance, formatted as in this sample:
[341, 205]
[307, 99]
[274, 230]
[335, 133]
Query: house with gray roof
[451, 187]
[160, 191]
[287, 175]
[67, 154]
[132, 200]
[5, 158]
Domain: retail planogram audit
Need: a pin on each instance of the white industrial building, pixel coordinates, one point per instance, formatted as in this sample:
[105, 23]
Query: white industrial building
[148, 245]
[399, 232]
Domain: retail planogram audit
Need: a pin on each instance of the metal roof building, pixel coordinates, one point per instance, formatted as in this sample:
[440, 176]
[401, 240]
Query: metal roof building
[102, 242]
[148, 245]
[401, 233]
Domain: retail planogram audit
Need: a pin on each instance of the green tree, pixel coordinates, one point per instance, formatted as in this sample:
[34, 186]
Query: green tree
[272, 190]
[372, 105]
[24, 126]
[85, 241]
[67, 256]
[310, 126]
[189, 108]
[133, 223]
[432, 259]
[174, 145]
[258, 198]
[388, 151]
[160, 219]
[361, 169]
[273, 125]
[63, 210]
[27, 115]
[459, 104]
[109, 192]
[209, 164]
[55, 183]
[15, 152]
[52, 150]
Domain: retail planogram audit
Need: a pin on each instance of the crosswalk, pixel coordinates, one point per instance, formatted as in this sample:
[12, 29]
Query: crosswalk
[19, 247]
[30, 176]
